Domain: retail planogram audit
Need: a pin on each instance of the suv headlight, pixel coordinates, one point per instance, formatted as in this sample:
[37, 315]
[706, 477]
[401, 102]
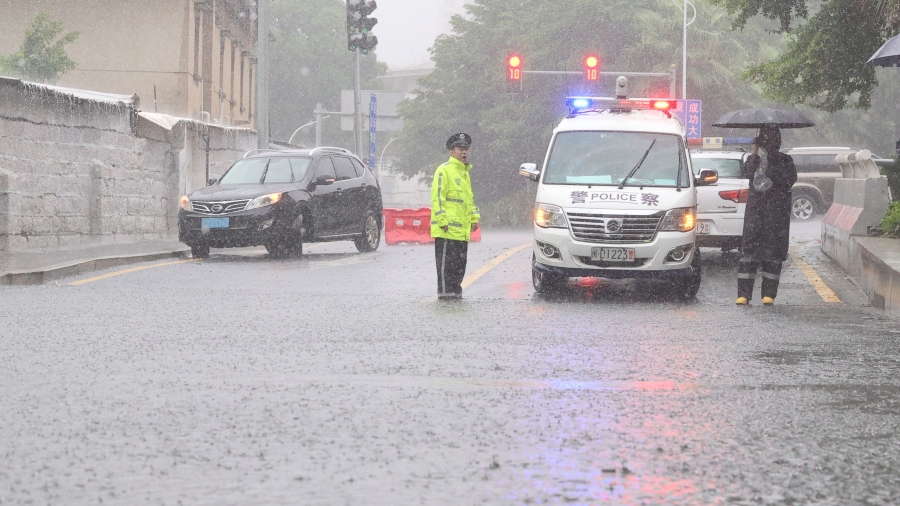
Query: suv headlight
[548, 216]
[186, 203]
[682, 219]
[264, 200]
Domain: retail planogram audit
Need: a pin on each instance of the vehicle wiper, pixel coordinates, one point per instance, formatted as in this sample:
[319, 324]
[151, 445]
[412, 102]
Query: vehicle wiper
[678, 183]
[638, 166]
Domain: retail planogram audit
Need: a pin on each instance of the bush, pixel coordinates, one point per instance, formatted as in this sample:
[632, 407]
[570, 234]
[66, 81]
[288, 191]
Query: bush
[890, 225]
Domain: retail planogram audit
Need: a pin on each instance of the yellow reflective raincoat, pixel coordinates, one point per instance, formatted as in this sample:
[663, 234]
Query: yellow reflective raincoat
[452, 202]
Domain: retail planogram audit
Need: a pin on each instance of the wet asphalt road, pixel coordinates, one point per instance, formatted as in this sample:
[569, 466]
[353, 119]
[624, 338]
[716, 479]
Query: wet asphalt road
[337, 379]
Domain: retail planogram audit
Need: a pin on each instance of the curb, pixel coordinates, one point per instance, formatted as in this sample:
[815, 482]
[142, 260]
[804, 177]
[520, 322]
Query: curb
[40, 277]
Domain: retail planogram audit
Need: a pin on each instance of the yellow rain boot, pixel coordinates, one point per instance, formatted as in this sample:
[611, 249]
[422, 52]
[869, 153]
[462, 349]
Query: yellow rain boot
[768, 301]
[742, 301]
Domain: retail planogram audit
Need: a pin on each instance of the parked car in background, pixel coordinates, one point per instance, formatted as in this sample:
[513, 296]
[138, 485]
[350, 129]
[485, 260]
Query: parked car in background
[282, 199]
[720, 207]
[816, 171]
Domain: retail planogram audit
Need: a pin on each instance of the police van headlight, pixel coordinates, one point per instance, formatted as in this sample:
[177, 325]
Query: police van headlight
[548, 216]
[683, 219]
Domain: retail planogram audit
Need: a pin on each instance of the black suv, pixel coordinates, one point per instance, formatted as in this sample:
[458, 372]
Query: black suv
[282, 199]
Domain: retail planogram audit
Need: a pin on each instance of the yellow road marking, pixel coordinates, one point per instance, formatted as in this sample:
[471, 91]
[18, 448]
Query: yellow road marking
[471, 278]
[127, 271]
[821, 287]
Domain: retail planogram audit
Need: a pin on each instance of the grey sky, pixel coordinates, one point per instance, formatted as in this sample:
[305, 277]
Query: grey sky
[407, 28]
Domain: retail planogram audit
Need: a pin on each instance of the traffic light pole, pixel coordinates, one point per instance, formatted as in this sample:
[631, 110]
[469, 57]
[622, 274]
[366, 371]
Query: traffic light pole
[357, 111]
[262, 74]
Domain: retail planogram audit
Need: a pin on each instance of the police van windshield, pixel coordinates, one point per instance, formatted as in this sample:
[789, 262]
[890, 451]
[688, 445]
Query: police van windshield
[607, 158]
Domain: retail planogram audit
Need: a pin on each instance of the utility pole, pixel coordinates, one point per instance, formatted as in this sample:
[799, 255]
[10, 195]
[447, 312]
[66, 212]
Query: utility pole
[262, 74]
[357, 110]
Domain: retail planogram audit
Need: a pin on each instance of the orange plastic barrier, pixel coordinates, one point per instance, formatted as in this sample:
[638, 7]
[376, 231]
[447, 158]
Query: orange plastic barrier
[412, 226]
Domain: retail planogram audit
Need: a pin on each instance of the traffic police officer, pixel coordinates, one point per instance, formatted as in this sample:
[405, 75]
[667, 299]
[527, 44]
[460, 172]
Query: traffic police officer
[453, 217]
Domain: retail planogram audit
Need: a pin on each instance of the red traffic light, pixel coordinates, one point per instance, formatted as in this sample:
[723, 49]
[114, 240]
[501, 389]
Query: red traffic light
[514, 68]
[591, 67]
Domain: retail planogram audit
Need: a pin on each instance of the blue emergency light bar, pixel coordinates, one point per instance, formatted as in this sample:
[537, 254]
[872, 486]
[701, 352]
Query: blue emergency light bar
[647, 104]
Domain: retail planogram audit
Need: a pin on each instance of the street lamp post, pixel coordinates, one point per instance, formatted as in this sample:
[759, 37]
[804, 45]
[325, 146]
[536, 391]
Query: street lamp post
[684, 10]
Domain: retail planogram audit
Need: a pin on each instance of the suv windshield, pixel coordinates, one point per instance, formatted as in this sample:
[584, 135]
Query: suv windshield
[606, 158]
[266, 170]
[726, 167]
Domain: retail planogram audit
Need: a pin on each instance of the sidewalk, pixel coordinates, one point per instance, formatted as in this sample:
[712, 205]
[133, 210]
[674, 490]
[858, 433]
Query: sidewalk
[39, 268]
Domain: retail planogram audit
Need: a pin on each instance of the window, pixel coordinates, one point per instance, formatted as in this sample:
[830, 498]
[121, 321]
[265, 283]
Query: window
[231, 69]
[299, 167]
[607, 158]
[222, 65]
[279, 171]
[242, 83]
[197, 15]
[360, 170]
[344, 168]
[325, 168]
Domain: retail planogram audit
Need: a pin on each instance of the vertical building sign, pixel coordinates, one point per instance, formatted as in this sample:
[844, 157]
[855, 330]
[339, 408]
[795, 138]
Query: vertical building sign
[690, 112]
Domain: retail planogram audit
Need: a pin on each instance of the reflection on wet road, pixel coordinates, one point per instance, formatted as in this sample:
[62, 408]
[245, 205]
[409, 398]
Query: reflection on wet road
[326, 380]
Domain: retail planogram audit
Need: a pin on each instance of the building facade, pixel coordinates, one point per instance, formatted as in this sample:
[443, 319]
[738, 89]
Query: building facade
[187, 58]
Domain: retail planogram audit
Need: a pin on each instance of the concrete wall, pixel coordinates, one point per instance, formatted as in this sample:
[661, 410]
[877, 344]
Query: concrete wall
[77, 172]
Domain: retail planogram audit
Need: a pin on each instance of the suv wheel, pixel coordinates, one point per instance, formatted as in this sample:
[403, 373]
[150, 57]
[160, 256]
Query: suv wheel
[371, 235]
[200, 251]
[803, 207]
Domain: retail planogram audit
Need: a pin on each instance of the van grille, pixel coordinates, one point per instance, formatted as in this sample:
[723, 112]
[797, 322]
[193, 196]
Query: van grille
[594, 228]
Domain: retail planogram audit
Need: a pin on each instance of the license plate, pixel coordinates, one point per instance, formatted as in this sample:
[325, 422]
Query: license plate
[612, 254]
[703, 227]
[214, 222]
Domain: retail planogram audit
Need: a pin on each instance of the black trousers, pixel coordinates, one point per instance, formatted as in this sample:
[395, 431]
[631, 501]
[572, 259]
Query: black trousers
[450, 257]
[771, 274]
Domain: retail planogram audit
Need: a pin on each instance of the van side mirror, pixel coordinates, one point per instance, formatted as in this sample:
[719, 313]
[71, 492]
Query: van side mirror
[530, 171]
[212, 181]
[707, 177]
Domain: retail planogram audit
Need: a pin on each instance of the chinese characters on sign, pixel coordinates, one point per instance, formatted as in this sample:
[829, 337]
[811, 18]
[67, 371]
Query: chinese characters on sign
[690, 112]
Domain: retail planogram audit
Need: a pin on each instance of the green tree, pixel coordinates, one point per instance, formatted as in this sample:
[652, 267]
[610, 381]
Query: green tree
[825, 61]
[311, 64]
[42, 56]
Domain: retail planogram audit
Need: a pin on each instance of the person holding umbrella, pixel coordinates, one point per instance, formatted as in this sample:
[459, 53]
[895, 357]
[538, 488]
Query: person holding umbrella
[767, 218]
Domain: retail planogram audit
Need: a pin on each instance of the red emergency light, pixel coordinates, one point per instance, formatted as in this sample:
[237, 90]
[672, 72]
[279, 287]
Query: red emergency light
[663, 105]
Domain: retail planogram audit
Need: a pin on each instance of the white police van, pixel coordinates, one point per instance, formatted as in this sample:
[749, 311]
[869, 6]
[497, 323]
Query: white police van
[617, 197]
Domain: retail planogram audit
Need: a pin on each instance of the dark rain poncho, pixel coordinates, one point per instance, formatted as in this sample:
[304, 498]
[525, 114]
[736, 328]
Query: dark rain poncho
[767, 219]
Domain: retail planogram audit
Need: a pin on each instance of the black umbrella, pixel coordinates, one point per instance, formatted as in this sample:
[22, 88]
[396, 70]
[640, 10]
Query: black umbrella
[764, 116]
[888, 55]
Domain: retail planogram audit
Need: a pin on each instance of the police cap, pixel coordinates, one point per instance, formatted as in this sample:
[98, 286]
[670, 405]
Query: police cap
[459, 140]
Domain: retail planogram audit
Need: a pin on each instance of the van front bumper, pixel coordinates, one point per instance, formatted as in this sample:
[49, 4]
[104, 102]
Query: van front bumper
[573, 258]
